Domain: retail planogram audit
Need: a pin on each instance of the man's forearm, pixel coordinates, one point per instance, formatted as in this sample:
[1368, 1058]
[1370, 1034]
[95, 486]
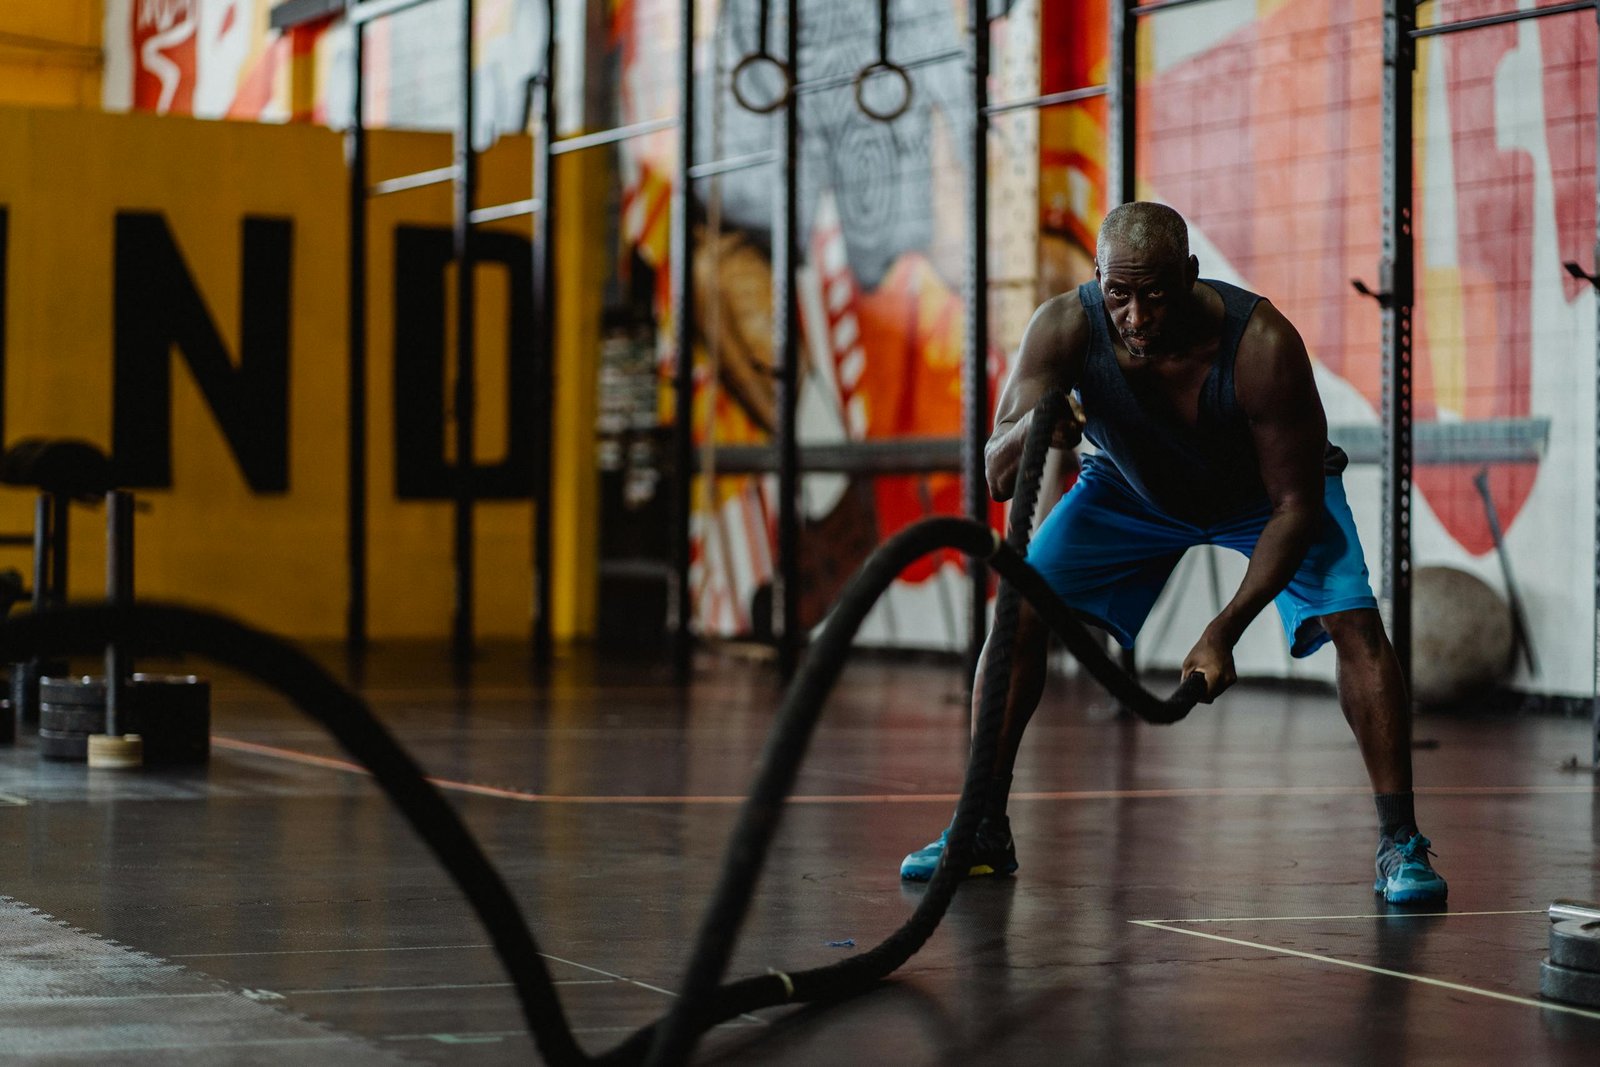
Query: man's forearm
[1283, 544]
[1003, 455]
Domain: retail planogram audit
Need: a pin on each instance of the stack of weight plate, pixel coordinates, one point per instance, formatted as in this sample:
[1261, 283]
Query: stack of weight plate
[171, 712]
[1572, 973]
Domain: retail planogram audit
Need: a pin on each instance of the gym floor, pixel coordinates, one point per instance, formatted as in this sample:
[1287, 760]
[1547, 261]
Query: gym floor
[1194, 894]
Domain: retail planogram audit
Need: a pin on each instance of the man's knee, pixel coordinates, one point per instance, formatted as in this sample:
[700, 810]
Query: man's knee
[1359, 632]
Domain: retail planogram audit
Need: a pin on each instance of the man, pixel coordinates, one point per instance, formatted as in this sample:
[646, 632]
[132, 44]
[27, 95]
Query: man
[1200, 400]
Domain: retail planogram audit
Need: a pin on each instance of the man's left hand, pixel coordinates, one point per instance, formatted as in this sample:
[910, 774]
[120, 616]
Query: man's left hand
[1212, 657]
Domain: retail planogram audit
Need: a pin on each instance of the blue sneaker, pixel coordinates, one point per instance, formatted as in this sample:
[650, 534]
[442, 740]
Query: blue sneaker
[1404, 874]
[995, 853]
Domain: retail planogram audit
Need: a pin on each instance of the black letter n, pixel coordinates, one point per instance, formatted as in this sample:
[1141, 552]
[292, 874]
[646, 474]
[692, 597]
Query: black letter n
[158, 309]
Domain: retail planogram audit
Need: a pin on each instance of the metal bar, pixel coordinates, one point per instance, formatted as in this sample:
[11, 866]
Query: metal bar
[496, 212]
[975, 369]
[419, 180]
[5, 245]
[1069, 96]
[683, 342]
[786, 349]
[1480, 441]
[364, 11]
[119, 590]
[1142, 10]
[1122, 105]
[916, 455]
[1396, 281]
[841, 81]
[1595, 266]
[41, 552]
[291, 13]
[466, 167]
[611, 136]
[355, 147]
[60, 522]
[1435, 443]
[732, 163]
[544, 282]
[1500, 19]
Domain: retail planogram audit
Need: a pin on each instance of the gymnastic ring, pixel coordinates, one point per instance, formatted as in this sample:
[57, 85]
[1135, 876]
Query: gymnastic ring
[883, 66]
[782, 98]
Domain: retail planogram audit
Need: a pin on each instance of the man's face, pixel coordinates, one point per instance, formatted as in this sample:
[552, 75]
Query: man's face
[1145, 294]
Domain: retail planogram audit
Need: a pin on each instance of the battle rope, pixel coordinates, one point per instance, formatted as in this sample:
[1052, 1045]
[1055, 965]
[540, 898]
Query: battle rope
[157, 629]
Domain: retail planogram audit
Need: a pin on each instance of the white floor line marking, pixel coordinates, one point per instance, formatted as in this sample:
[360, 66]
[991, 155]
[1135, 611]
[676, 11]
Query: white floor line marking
[1547, 1005]
[635, 981]
[396, 988]
[1309, 918]
[432, 988]
[1177, 793]
[321, 951]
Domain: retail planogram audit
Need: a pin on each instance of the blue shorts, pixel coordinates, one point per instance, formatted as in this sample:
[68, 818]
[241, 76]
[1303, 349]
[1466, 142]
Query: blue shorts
[1107, 552]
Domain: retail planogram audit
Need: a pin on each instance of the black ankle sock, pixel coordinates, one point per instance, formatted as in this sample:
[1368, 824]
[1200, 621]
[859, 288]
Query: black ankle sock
[1395, 813]
[999, 791]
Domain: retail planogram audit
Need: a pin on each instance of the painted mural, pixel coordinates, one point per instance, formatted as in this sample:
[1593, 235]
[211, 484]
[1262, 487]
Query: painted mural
[1260, 121]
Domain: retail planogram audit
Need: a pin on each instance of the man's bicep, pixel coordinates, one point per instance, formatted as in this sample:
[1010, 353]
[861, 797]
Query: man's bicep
[1047, 358]
[1288, 425]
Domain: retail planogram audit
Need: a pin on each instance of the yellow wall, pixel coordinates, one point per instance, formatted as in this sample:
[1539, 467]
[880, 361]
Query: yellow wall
[50, 53]
[278, 560]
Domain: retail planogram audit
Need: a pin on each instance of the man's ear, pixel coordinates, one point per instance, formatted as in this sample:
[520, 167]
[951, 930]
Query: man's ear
[1193, 271]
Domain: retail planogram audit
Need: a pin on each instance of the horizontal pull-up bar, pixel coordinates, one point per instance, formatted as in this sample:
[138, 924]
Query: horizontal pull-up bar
[911, 455]
[1035, 103]
[370, 10]
[1503, 18]
[611, 136]
[1141, 10]
[841, 81]
[732, 163]
[1483, 441]
[421, 179]
[291, 13]
[503, 211]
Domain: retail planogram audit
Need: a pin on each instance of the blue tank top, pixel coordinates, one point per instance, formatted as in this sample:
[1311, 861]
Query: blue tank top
[1203, 474]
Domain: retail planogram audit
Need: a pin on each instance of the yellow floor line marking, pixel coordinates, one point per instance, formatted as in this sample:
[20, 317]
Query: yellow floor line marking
[1457, 987]
[527, 797]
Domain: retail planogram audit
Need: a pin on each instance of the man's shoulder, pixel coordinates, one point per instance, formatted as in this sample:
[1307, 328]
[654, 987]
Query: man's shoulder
[1271, 354]
[1063, 317]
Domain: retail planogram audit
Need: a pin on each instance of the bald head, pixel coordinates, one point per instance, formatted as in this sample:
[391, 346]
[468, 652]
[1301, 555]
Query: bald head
[1148, 231]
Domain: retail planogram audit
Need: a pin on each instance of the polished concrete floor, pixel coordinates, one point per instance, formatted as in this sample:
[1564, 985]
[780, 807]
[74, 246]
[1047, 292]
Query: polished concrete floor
[1197, 894]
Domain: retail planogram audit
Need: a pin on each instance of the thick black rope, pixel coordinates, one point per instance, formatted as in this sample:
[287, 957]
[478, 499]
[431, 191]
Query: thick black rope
[156, 629]
[702, 1005]
[160, 629]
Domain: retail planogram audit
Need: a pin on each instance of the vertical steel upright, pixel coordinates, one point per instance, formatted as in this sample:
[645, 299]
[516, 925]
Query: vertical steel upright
[355, 151]
[1595, 288]
[465, 396]
[1396, 296]
[786, 345]
[975, 384]
[544, 336]
[119, 590]
[1122, 103]
[683, 342]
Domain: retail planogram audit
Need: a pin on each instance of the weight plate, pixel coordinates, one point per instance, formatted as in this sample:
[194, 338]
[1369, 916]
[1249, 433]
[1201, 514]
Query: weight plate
[67, 719]
[88, 691]
[173, 749]
[1569, 985]
[69, 747]
[1575, 944]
